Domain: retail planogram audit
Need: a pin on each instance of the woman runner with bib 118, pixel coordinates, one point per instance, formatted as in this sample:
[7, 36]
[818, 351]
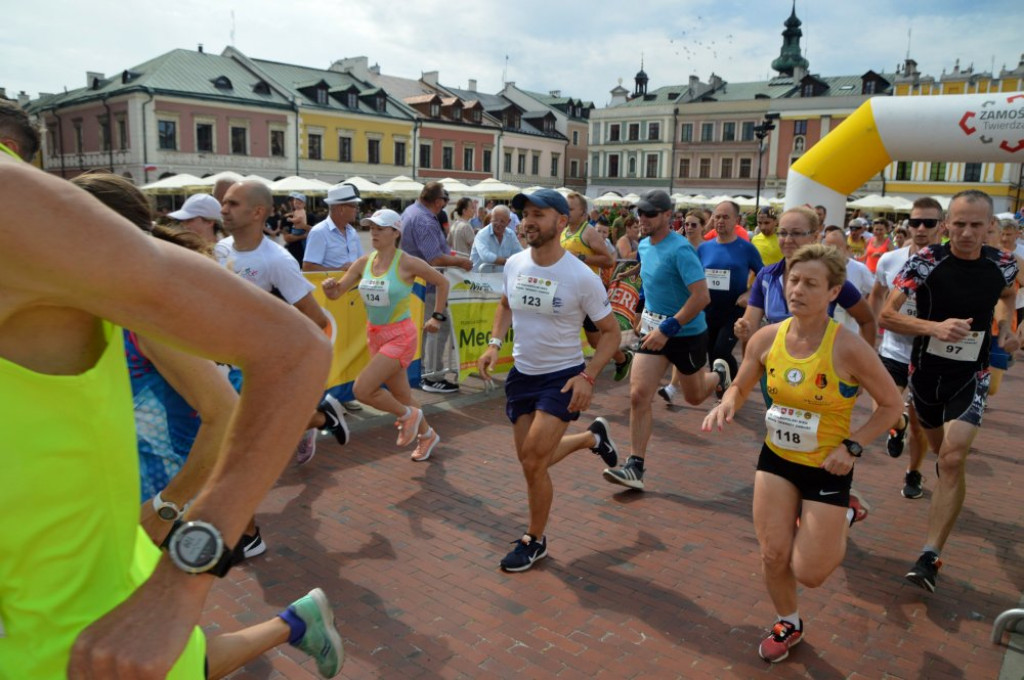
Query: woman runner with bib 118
[802, 483]
[385, 279]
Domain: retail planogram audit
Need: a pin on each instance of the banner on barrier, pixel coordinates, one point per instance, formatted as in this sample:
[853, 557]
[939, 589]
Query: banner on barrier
[347, 317]
[472, 303]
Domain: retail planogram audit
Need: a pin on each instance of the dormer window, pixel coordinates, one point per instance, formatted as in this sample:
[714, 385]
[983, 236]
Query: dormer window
[457, 113]
[808, 90]
[261, 87]
[222, 83]
[435, 109]
[869, 87]
[321, 96]
[381, 102]
[351, 100]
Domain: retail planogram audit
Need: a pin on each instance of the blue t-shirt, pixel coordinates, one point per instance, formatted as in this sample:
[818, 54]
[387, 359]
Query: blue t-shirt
[668, 269]
[739, 258]
[767, 294]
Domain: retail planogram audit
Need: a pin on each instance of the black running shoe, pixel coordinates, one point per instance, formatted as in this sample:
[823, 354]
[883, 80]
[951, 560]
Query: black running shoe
[334, 413]
[631, 474]
[525, 554]
[925, 571]
[606, 447]
[897, 438]
[912, 485]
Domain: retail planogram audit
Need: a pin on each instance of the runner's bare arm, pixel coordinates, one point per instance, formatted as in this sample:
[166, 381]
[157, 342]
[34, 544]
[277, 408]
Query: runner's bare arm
[62, 264]
[334, 288]
[950, 330]
[600, 258]
[865, 318]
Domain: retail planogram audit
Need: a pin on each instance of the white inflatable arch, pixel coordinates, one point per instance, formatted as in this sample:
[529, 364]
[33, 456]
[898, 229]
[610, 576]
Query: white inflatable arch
[974, 128]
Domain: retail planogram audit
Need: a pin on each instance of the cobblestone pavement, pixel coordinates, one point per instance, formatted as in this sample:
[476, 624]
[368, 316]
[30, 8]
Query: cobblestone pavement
[657, 584]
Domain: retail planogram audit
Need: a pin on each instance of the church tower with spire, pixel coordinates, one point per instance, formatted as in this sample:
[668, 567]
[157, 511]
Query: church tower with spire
[640, 80]
[790, 59]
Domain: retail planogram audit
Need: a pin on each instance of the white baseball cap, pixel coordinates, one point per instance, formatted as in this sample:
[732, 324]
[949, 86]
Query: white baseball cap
[198, 205]
[384, 218]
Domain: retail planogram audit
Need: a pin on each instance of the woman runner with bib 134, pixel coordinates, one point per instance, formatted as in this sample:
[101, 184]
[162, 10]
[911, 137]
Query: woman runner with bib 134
[802, 483]
[385, 278]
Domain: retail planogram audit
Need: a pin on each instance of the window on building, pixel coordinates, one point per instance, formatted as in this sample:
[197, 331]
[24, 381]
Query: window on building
[447, 158]
[807, 90]
[381, 102]
[632, 166]
[613, 165]
[686, 132]
[79, 140]
[535, 164]
[425, 150]
[634, 132]
[574, 168]
[613, 132]
[435, 109]
[799, 127]
[204, 137]
[51, 139]
[704, 171]
[167, 135]
[457, 114]
[684, 168]
[869, 87]
[799, 144]
[321, 96]
[972, 172]
[728, 132]
[654, 131]
[707, 132]
[904, 171]
[575, 137]
[351, 100]
[399, 153]
[467, 158]
[345, 149]
[373, 151]
[104, 123]
[314, 147]
[277, 143]
[555, 158]
[487, 160]
[747, 131]
[476, 116]
[726, 168]
[508, 162]
[745, 165]
[239, 140]
[122, 133]
[651, 171]
[521, 164]
[937, 172]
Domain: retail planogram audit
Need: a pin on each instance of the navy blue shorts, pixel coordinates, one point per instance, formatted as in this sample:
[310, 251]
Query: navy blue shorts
[529, 393]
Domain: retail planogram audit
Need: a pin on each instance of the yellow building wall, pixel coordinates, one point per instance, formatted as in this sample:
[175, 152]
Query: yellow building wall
[359, 127]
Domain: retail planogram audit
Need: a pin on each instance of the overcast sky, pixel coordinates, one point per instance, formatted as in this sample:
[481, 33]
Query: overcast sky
[582, 47]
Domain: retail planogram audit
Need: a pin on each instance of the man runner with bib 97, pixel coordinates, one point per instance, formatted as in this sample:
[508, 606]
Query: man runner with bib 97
[957, 286]
[814, 367]
[545, 295]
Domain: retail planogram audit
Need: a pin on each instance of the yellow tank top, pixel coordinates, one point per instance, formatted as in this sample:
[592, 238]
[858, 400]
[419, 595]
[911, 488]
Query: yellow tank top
[575, 245]
[811, 412]
[71, 548]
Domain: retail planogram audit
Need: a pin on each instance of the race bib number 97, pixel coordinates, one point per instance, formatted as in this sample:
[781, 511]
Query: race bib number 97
[967, 349]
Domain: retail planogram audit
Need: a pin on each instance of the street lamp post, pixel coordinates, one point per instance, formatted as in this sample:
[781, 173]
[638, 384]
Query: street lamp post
[761, 131]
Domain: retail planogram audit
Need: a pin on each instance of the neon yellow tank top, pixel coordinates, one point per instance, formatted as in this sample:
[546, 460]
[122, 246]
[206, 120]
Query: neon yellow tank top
[70, 540]
[575, 245]
[811, 412]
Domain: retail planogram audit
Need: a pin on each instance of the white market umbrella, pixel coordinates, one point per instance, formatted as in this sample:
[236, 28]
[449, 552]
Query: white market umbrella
[403, 187]
[206, 183]
[175, 184]
[534, 188]
[631, 198]
[608, 199]
[454, 186]
[885, 203]
[303, 185]
[262, 180]
[743, 202]
[943, 201]
[367, 188]
[492, 188]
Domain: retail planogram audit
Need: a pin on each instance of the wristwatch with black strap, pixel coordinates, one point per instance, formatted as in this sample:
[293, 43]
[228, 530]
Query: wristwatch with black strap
[853, 448]
[197, 547]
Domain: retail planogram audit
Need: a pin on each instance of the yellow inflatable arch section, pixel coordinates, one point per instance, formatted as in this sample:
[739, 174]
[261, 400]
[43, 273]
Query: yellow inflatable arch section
[971, 128]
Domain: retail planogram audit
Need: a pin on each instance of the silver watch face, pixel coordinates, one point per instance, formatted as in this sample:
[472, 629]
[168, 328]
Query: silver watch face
[168, 512]
[196, 547]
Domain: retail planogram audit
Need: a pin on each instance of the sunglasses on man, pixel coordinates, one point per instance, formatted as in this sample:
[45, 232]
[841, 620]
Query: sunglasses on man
[926, 222]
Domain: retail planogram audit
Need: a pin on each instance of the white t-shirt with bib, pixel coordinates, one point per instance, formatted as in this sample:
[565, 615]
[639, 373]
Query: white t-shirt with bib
[894, 345]
[548, 305]
[269, 266]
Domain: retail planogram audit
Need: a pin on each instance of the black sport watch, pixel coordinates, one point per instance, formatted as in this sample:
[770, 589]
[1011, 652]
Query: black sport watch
[853, 448]
[197, 547]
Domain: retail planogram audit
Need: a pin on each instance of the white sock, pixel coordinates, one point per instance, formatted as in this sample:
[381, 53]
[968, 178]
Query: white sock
[671, 390]
[793, 618]
[597, 440]
[849, 515]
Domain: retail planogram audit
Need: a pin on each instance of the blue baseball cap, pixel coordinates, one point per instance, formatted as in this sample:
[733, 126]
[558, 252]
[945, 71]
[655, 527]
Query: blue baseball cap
[542, 198]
